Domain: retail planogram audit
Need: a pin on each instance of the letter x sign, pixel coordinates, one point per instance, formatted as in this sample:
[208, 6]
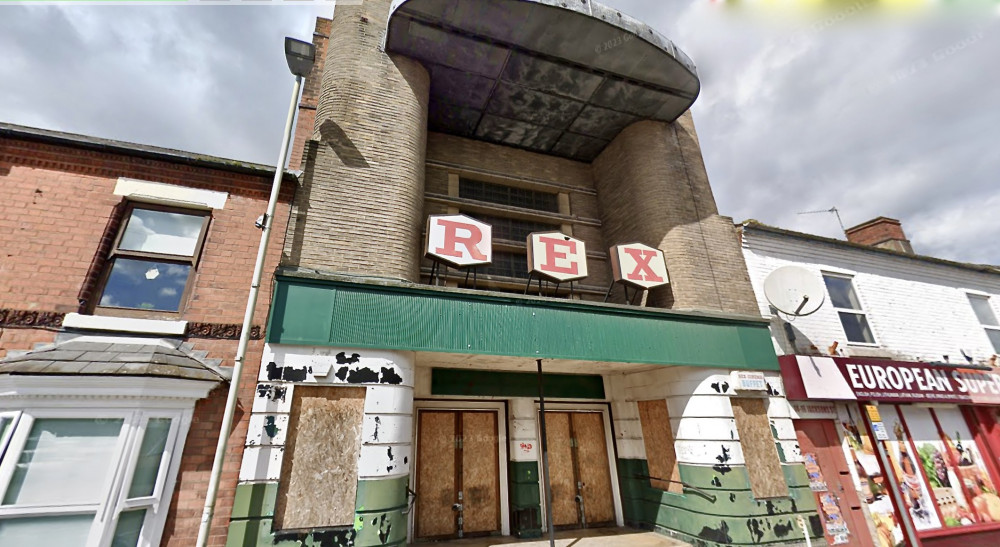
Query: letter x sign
[459, 240]
[639, 265]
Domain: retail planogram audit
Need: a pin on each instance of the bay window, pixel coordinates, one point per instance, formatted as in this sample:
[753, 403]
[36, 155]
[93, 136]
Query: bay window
[86, 478]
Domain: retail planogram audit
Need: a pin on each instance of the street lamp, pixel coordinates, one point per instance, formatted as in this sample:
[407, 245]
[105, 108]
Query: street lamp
[300, 56]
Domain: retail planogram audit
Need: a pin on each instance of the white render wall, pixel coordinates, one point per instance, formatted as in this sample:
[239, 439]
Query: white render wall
[917, 310]
[701, 416]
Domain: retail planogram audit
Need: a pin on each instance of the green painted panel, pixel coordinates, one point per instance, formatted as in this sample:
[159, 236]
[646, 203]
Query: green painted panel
[380, 495]
[380, 528]
[255, 500]
[392, 316]
[514, 384]
[249, 533]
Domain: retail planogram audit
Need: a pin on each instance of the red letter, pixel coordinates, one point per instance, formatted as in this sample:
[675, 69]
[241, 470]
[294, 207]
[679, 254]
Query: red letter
[452, 240]
[551, 255]
[642, 270]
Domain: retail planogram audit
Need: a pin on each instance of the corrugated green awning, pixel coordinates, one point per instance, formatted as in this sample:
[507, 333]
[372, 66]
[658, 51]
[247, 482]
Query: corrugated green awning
[394, 316]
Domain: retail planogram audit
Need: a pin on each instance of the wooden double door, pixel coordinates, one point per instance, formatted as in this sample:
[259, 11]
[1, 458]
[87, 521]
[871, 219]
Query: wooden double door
[843, 519]
[458, 474]
[579, 471]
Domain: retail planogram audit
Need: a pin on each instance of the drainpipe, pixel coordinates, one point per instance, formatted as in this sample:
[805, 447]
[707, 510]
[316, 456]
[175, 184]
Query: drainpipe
[241, 351]
[545, 457]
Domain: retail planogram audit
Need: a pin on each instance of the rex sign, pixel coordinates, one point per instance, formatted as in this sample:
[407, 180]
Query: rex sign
[638, 265]
[557, 256]
[459, 240]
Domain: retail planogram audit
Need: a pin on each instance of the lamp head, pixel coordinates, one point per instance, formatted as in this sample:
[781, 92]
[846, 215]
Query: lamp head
[300, 56]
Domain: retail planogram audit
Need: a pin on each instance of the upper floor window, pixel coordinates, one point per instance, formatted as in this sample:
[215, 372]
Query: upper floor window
[987, 318]
[852, 315]
[150, 265]
[514, 229]
[508, 195]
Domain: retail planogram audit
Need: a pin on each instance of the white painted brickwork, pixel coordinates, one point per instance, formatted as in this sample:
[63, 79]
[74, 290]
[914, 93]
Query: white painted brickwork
[388, 420]
[917, 310]
[700, 416]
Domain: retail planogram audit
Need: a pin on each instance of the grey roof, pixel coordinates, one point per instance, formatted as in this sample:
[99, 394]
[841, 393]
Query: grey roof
[102, 358]
[756, 225]
[550, 76]
[10, 130]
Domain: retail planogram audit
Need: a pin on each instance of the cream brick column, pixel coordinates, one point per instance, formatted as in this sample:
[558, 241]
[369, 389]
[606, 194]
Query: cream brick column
[360, 207]
[653, 188]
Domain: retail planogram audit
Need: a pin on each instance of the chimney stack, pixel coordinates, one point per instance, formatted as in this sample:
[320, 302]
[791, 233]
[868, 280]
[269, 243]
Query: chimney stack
[882, 232]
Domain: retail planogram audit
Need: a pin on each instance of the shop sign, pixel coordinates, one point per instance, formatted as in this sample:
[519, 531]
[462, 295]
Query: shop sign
[880, 432]
[459, 240]
[638, 265]
[809, 410]
[749, 381]
[891, 381]
[557, 256]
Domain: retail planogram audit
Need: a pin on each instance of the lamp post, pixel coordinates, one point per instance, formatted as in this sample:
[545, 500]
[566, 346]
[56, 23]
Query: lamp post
[300, 57]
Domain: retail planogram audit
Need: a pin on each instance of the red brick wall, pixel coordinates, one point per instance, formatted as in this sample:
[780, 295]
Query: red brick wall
[58, 203]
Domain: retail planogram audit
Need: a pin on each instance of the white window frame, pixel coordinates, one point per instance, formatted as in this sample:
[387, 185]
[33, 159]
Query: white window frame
[989, 304]
[862, 312]
[114, 498]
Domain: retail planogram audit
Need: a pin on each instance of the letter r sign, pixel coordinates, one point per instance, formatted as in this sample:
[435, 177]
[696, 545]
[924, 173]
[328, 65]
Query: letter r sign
[639, 265]
[459, 240]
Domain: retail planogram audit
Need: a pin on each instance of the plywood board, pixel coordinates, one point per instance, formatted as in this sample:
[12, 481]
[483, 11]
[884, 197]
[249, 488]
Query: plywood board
[480, 472]
[562, 481]
[594, 473]
[436, 470]
[761, 457]
[319, 475]
[658, 438]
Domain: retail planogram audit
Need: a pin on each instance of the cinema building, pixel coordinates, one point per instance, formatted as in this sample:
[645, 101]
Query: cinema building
[893, 382]
[498, 195]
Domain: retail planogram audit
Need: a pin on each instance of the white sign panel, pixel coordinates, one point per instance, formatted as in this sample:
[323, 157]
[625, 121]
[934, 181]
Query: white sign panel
[639, 265]
[459, 240]
[880, 432]
[749, 381]
[557, 256]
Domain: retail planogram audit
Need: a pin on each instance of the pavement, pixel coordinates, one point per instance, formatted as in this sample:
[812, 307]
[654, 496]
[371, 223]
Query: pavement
[595, 537]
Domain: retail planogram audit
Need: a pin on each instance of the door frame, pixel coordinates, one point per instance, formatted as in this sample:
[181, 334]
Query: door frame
[604, 410]
[501, 410]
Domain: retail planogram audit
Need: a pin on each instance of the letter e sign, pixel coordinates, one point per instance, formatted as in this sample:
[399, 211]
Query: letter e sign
[557, 256]
[459, 240]
[639, 265]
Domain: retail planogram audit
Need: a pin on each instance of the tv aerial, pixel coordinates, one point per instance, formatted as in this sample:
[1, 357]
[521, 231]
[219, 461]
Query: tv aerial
[794, 291]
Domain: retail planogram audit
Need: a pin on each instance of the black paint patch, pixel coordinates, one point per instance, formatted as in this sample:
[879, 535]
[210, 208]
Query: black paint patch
[795, 507]
[384, 528]
[270, 427]
[732, 498]
[718, 535]
[327, 538]
[753, 525]
[291, 374]
[378, 422]
[406, 460]
[721, 387]
[716, 482]
[391, 457]
[273, 371]
[782, 530]
[722, 459]
[770, 508]
[342, 373]
[363, 375]
[273, 393]
[389, 376]
[771, 391]
[343, 359]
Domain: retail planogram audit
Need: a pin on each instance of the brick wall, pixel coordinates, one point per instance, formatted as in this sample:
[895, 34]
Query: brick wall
[886, 233]
[59, 202]
[360, 209]
[653, 188]
[306, 122]
[917, 310]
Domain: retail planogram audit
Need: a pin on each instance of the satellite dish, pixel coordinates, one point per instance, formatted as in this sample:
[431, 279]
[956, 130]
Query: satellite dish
[794, 291]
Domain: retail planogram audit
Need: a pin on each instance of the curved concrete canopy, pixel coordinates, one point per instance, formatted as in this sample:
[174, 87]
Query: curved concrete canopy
[557, 77]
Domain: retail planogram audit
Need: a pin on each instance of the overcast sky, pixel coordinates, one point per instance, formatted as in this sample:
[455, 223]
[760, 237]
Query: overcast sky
[894, 116]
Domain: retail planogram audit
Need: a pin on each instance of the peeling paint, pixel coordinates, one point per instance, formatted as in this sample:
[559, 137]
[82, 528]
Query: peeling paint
[782, 530]
[343, 359]
[362, 375]
[390, 377]
[327, 538]
[378, 422]
[272, 393]
[342, 373]
[716, 482]
[771, 391]
[753, 525]
[384, 529]
[721, 387]
[722, 467]
[718, 535]
[270, 427]
[291, 374]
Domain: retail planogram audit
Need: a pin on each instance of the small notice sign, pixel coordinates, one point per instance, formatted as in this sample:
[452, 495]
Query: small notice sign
[873, 414]
[880, 431]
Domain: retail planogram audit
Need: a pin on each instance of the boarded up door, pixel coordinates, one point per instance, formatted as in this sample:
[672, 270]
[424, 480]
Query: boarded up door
[578, 465]
[458, 452]
[839, 506]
